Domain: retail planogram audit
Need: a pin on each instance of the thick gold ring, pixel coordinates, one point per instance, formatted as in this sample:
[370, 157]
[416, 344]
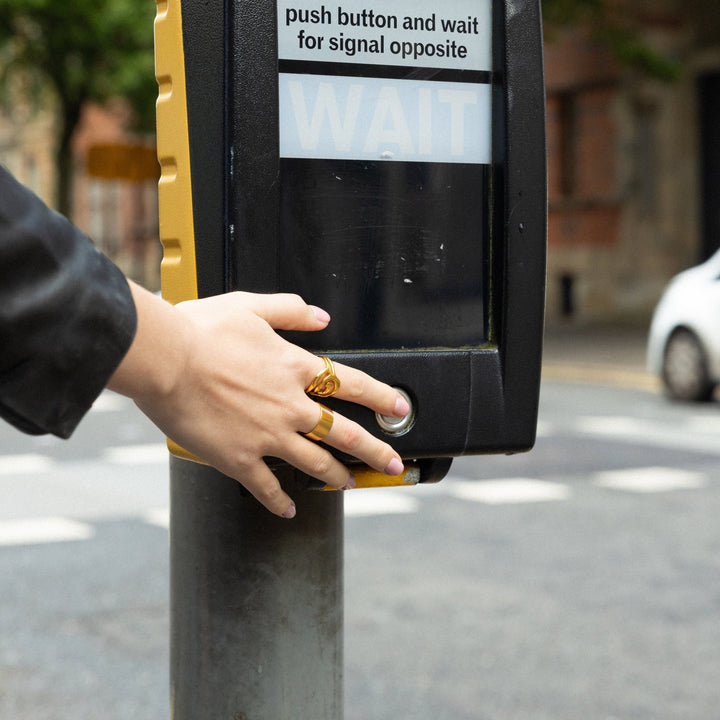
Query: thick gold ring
[324, 425]
[326, 382]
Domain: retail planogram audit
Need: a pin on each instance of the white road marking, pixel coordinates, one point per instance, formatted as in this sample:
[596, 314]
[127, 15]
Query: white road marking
[709, 424]
[110, 402]
[33, 531]
[149, 454]
[545, 429]
[160, 517]
[27, 464]
[640, 431]
[379, 501]
[512, 490]
[616, 427]
[650, 480]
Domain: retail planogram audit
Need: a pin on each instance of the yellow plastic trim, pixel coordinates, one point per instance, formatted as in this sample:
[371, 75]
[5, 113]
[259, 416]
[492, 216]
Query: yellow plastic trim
[366, 477]
[178, 270]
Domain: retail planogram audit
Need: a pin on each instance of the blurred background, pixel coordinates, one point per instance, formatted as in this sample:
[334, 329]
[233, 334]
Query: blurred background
[580, 580]
[633, 93]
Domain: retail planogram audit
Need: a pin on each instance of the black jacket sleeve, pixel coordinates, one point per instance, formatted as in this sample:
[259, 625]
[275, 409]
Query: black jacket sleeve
[67, 317]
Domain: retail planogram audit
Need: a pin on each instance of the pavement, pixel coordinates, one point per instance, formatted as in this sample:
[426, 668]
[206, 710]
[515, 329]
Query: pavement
[599, 354]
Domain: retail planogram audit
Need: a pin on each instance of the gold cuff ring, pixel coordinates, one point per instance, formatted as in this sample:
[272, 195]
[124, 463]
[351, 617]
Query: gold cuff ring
[324, 425]
[326, 382]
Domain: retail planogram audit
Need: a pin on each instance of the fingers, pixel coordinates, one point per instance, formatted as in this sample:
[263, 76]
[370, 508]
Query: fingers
[348, 437]
[358, 387]
[317, 462]
[285, 311]
[266, 488]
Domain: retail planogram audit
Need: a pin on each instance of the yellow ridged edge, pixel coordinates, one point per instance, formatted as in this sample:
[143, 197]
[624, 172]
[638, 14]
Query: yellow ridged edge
[177, 231]
[178, 268]
[366, 477]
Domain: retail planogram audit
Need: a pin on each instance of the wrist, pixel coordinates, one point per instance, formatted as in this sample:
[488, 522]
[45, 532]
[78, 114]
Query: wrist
[153, 366]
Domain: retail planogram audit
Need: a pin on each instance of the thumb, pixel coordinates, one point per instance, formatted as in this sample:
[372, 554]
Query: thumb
[285, 311]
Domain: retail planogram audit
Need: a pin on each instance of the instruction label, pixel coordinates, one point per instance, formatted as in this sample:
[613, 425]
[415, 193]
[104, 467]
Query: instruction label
[330, 107]
[455, 35]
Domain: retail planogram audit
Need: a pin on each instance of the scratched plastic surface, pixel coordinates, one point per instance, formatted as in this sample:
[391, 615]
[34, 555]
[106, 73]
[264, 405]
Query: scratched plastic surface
[395, 251]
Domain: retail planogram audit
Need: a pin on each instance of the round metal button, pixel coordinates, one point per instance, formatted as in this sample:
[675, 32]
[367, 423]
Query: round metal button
[397, 426]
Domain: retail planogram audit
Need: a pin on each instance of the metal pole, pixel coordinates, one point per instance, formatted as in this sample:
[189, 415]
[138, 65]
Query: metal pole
[256, 617]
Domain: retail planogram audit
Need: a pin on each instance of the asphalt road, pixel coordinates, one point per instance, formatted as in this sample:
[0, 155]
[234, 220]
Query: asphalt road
[581, 580]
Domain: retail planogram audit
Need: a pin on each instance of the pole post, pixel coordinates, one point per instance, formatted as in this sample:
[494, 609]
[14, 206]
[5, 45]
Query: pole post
[256, 608]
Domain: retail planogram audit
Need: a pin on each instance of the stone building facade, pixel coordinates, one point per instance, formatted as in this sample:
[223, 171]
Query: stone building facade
[633, 165]
[633, 168]
[120, 216]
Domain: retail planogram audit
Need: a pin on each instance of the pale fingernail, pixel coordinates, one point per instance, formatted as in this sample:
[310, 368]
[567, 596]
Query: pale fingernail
[402, 407]
[394, 467]
[350, 484]
[320, 314]
[290, 513]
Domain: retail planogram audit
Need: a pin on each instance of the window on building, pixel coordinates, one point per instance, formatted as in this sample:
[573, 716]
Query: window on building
[567, 143]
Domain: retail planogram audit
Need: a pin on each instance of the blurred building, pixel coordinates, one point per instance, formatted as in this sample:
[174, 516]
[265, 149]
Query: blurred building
[634, 168]
[633, 164]
[119, 214]
[27, 142]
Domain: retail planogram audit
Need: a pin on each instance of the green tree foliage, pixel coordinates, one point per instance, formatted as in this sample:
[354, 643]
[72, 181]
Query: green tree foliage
[99, 49]
[614, 24]
[82, 50]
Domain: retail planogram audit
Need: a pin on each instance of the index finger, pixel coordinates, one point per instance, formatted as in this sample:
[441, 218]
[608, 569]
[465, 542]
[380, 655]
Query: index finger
[286, 311]
[359, 387]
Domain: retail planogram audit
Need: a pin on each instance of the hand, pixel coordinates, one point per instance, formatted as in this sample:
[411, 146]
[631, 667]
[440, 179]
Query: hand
[231, 391]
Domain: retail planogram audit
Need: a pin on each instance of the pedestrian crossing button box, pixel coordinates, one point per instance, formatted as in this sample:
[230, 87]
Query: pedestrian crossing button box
[384, 159]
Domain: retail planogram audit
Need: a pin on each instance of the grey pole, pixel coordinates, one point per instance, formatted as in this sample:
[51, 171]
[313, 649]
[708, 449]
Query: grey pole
[256, 619]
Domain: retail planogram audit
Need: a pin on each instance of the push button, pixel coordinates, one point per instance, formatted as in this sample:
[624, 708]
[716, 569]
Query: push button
[397, 426]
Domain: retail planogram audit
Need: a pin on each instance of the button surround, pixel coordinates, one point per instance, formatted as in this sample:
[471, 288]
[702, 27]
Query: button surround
[397, 426]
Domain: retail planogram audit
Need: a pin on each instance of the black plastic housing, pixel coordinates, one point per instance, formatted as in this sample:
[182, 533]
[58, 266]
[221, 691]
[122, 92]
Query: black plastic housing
[474, 381]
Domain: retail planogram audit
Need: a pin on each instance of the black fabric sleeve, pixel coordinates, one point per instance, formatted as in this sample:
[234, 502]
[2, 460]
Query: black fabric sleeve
[67, 317]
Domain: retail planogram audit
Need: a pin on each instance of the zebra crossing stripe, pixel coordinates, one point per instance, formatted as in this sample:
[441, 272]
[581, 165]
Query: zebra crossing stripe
[25, 464]
[34, 531]
[379, 501]
[510, 491]
[650, 479]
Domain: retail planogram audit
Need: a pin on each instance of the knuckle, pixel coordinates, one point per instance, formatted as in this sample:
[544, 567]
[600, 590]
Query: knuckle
[270, 494]
[294, 412]
[356, 387]
[321, 465]
[242, 462]
[294, 301]
[352, 437]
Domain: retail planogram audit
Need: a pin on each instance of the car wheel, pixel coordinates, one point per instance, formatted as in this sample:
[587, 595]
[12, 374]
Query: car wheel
[684, 371]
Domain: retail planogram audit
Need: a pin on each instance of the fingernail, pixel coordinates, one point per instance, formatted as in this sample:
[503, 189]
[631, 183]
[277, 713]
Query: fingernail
[351, 483]
[320, 314]
[394, 467]
[402, 407]
[290, 513]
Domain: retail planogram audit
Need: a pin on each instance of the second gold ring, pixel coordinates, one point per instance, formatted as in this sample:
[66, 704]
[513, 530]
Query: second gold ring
[324, 424]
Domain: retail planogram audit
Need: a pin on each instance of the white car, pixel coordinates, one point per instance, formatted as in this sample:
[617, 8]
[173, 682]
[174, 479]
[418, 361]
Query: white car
[684, 343]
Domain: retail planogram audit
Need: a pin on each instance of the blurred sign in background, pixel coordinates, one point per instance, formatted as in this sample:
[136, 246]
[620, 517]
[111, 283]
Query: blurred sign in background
[121, 205]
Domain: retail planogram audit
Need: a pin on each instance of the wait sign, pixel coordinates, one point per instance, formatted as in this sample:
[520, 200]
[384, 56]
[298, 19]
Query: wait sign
[377, 119]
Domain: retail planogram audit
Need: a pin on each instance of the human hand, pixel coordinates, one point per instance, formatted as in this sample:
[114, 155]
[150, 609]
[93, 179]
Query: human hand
[234, 393]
